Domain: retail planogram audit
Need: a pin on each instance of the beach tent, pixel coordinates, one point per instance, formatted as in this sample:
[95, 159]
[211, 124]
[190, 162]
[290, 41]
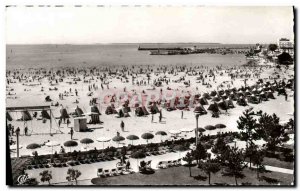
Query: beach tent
[45, 114]
[126, 109]
[95, 115]
[263, 96]
[206, 96]
[213, 93]
[241, 101]
[145, 110]
[8, 117]
[26, 116]
[270, 95]
[110, 110]
[64, 114]
[240, 93]
[221, 92]
[213, 107]
[200, 109]
[232, 96]
[253, 99]
[223, 105]
[153, 108]
[229, 103]
[78, 112]
[203, 101]
[141, 111]
[95, 109]
[216, 99]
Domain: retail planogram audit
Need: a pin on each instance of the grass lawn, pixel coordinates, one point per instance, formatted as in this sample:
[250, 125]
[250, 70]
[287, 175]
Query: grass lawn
[180, 176]
[276, 163]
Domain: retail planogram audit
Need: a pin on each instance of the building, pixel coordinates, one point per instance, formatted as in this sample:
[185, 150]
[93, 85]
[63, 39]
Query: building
[286, 45]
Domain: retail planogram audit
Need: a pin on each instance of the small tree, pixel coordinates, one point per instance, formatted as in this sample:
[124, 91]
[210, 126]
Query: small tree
[210, 166]
[46, 176]
[234, 163]
[73, 175]
[285, 58]
[220, 145]
[271, 131]
[248, 127]
[189, 159]
[258, 157]
[199, 153]
[273, 47]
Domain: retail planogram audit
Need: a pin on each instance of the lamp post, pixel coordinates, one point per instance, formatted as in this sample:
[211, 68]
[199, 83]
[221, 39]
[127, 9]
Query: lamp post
[196, 133]
[17, 134]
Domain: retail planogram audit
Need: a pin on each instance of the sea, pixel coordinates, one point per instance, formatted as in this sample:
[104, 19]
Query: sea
[93, 55]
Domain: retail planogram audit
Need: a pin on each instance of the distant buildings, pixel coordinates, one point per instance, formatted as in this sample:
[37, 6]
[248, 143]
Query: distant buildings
[286, 45]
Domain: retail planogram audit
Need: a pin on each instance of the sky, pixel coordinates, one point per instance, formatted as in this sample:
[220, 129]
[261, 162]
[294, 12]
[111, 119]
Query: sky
[89, 25]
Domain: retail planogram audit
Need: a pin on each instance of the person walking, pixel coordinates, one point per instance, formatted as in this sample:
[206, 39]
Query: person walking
[26, 130]
[71, 133]
[122, 126]
[59, 122]
[127, 165]
[68, 122]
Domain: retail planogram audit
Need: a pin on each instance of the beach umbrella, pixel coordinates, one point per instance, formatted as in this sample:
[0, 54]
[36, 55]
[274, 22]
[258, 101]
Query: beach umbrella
[33, 146]
[70, 144]
[52, 144]
[86, 141]
[161, 133]
[103, 139]
[132, 138]
[220, 126]
[209, 127]
[147, 136]
[200, 129]
[138, 155]
[118, 138]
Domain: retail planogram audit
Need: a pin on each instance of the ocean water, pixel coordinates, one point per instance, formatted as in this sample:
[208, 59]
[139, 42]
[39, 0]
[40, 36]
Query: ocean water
[52, 56]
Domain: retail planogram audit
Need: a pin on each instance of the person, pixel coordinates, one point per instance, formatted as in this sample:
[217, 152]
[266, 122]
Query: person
[18, 131]
[127, 165]
[59, 122]
[122, 125]
[71, 132]
[142, 165]
[181, 114]
[26, 130]
[68, 122]
[286, 96]
[152, 118]
[12, 130]
[62, 149]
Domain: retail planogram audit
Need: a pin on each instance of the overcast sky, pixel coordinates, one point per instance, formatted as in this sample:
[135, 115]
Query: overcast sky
[86, 25]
